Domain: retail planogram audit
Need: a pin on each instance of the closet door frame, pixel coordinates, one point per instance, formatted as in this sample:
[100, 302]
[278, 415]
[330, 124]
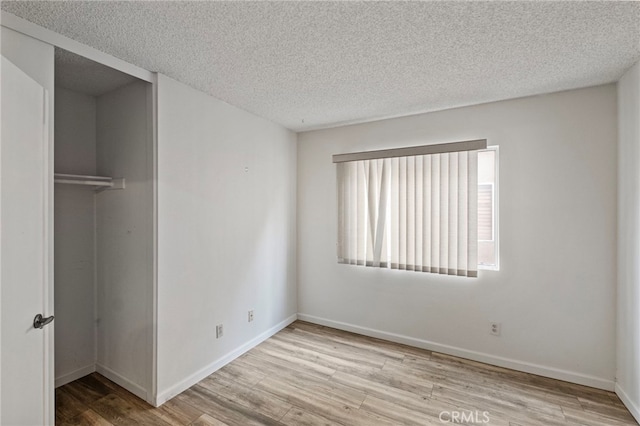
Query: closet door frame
[23, 26]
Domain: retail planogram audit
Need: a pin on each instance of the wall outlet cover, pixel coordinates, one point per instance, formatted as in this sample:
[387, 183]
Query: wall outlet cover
[495, 328]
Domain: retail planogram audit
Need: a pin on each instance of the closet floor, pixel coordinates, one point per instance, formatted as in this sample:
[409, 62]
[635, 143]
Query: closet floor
[312, 375]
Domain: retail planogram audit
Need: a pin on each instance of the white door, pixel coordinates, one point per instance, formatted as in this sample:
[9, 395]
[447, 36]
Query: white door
[26, 389]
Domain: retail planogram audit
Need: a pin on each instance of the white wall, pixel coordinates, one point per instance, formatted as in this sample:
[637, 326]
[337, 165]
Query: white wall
[125, 239]
[555, 293]
[74, 225]
[226, 236]
[75, 133]
[628, 365]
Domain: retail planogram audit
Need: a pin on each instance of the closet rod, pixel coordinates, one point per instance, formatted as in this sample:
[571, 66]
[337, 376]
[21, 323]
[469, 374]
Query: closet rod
[88, 177]
[101, 182]
[83, 182]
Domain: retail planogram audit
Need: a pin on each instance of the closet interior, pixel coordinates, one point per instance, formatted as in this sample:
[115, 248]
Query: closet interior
[103, 219]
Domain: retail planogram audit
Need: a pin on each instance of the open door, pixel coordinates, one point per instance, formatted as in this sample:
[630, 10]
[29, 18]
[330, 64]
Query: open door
[26, 388]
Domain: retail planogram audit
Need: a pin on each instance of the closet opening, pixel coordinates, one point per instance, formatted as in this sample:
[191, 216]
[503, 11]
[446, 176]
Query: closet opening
[103, 225]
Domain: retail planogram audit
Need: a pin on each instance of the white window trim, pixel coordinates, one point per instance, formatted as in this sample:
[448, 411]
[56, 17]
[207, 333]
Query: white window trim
[496, 211]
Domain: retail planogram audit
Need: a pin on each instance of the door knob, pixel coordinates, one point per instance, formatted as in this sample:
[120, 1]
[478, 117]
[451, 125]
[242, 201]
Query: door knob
[39, 321]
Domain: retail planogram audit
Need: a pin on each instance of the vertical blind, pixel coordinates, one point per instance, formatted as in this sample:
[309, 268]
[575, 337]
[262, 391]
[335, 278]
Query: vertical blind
[414, 212]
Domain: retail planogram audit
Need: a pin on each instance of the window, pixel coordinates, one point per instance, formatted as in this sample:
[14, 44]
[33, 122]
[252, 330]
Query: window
[487, 208]
[428, 209]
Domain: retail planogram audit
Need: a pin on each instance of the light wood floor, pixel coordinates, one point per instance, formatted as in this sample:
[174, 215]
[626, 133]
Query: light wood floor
[313, 375]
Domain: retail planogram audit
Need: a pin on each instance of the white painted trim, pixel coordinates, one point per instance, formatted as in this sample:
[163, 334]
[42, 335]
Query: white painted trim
[30, 29]
[633, 408]
[116, 378]
[75, 375]
[220, 362]
[154, 234]
[1, 257]
[48, 266]
[540, 370]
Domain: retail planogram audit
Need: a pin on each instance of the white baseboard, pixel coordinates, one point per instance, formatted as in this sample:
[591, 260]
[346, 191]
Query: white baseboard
[540, 370]
[185, 384]
[134, 388]
[633, 408]
[75, 375]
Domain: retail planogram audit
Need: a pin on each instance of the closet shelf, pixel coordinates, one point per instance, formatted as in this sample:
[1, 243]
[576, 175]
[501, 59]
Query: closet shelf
[100, 183]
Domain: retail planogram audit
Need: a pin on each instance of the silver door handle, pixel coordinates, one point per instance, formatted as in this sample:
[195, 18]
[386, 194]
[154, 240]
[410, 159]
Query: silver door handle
[39, 321]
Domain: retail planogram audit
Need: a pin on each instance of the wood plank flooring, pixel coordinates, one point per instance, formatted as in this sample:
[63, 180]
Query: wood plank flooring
[312, 375]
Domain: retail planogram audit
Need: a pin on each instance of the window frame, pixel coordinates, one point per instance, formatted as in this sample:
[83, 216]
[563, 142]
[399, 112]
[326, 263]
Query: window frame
[495, 211]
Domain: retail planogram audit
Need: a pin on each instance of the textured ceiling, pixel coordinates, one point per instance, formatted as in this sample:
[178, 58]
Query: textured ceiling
[316, 64]
[82, 75]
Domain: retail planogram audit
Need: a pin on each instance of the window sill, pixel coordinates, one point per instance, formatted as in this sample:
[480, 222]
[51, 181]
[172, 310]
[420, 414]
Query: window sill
[488, 267]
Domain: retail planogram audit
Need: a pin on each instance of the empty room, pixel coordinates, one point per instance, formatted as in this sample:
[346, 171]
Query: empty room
[351, 213]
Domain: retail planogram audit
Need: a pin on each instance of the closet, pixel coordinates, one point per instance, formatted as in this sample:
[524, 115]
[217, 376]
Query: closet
[103, 224]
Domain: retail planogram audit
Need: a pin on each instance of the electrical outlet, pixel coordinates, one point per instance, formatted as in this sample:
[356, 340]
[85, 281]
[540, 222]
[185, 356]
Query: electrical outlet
[219, 331]
[495, 328]
[250, 317]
